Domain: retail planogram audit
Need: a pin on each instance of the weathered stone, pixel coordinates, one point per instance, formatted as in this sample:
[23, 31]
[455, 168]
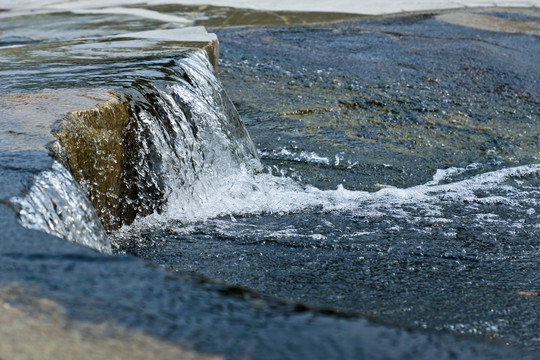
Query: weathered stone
[92, 143]
[26, 118]
[43, 323]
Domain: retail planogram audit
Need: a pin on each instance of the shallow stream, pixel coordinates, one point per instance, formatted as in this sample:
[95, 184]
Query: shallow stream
[400, 177]
[388, 168]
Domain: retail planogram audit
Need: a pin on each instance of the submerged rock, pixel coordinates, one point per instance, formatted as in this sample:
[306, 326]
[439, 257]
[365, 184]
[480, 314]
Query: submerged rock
[112, 143]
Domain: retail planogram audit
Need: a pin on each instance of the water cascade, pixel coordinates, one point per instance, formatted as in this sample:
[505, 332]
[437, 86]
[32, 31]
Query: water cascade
[56, 205]
[174, 148]
[188, 136]
[375, 181]
[157, 141]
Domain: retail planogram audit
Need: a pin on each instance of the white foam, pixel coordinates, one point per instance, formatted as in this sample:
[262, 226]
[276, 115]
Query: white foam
[56, 205]
[295, 155]
[244, 193]
[445, 174]
[209, 168]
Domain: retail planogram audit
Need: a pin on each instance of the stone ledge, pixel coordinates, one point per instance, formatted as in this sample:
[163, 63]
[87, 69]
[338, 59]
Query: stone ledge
[85, 120]
[196, 36]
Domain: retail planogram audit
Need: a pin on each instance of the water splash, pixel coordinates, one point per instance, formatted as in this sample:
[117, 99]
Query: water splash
[245, 193]
[56, 205]
[183, 134]
[188, 136]
[193, 160]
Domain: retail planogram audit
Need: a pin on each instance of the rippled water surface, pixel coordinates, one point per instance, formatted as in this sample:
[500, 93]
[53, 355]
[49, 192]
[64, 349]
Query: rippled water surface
[390, 168]
[400, 177]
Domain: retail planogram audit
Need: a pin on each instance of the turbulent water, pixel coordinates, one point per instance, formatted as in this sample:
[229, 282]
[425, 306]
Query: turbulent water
[465, 238]
[56, 205]
[188, 135]
[211, 203]
[289, 217]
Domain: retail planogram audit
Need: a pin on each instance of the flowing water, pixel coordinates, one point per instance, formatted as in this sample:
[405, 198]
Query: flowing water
[49, 207]
[413, 202]
[308, 214]
[432, 255]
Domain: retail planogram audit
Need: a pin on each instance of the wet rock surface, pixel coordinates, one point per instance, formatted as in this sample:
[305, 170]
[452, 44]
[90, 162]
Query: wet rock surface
[378, 103]
[426, 92]
[27, 118]
[101, 131]
[191, 313]
[123, 290]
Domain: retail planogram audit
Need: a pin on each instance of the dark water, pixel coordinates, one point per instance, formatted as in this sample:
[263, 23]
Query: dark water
[398, 179]
[404, 187]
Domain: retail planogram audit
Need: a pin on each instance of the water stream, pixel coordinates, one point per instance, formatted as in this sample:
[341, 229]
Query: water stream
[55, 204]
[458, 241]
[311, 209]
[189, 136]
[206, 203]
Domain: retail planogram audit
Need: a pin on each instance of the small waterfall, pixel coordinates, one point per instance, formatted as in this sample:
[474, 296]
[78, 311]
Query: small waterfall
[164, 138]
[184, 154]
[188, 135]
[56, 205]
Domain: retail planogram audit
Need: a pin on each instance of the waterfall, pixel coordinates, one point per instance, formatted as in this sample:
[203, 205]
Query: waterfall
[186, 156]
[187, 134]
[181, 135]
[56, 205]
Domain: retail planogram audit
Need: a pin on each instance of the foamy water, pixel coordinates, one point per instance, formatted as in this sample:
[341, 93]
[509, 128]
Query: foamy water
[56, 205]
[244, 193]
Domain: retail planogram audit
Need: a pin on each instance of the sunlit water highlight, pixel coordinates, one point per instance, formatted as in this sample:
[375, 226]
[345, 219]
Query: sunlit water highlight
[397, 254]
[55, 204]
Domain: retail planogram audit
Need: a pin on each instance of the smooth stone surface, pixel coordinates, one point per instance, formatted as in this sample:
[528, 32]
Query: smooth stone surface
[26, 118]
[49, 334]
[82, 286]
